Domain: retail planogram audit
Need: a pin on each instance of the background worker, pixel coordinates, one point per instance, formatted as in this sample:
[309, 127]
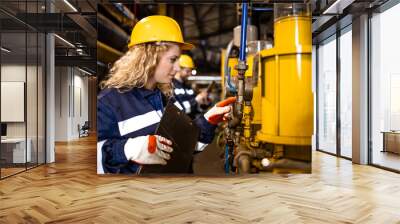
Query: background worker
[184, 94]
[134, 95]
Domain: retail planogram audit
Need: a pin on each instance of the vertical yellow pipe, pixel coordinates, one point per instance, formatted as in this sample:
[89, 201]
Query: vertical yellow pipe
[287, 101]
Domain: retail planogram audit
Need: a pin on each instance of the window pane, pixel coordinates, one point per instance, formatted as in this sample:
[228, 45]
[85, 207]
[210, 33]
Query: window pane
[386, 89]
[41, 98]
[31, 97]
[14, 153]
[327, 96]
[346, 94]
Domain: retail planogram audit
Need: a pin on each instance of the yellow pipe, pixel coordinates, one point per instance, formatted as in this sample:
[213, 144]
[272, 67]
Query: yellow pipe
[106, 53]
[246, 121]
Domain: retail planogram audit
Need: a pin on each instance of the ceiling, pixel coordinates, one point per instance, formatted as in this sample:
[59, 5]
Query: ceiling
[99, 30]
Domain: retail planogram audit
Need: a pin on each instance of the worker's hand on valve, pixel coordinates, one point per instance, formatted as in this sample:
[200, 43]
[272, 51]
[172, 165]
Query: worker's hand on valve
[150, 149]
[220, 111]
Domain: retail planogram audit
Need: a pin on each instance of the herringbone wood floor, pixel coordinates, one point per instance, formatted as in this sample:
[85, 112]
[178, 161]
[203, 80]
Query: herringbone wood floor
[69, 191]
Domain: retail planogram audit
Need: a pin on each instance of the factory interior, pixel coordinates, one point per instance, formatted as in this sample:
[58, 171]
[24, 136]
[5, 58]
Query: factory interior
[291, 112]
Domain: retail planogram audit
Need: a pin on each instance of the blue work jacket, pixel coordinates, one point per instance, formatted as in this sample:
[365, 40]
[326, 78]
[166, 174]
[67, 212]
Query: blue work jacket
[130, 114]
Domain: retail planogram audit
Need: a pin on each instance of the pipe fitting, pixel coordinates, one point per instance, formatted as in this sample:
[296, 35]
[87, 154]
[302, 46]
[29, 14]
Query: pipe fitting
[241, 67]
[244, 164]
[242, 161]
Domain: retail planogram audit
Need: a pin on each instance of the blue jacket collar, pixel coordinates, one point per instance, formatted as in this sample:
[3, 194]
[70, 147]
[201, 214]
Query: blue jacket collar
[145, 93]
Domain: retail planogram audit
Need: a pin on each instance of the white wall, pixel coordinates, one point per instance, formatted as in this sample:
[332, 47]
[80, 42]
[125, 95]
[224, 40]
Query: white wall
[71, 102]
[16, 73]
[12, 73]
[61, 103]
[80, 101]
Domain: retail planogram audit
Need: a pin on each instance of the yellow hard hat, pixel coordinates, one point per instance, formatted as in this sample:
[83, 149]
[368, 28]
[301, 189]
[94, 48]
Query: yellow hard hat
[158, 28]
[186, 61]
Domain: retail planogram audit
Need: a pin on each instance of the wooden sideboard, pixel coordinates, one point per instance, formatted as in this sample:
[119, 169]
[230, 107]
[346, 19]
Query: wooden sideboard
[391, 141]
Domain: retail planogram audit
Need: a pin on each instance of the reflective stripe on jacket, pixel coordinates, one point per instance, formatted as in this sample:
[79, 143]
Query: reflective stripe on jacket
[186, 97]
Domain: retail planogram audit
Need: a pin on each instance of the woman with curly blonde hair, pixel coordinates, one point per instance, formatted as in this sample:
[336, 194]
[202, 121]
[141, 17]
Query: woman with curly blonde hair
[134, 95]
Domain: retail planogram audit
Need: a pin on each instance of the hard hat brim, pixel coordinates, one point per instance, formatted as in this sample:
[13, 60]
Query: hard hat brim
[182, 46]
[186, 46]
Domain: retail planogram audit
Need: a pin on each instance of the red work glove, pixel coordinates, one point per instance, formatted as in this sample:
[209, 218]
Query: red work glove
[149, 149]
[219, 111]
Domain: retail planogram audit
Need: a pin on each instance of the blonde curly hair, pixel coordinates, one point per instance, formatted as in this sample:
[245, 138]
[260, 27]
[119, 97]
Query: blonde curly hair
[135, 68]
